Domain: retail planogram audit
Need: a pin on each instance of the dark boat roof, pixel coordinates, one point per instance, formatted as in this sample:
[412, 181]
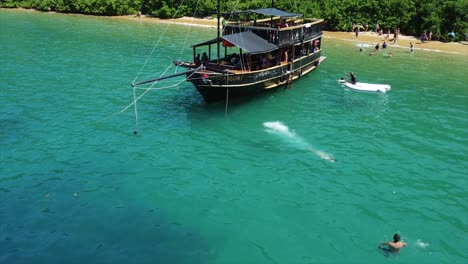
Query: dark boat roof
[274, 12]
[247, 40]
[250, 42]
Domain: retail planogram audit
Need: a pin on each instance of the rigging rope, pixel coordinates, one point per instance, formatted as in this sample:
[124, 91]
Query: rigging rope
[146, 90]
[187, 35]
[135, 100]
[157, 44]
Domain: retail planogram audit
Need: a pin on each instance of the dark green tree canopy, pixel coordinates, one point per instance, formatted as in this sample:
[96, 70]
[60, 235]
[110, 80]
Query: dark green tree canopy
[413, 17]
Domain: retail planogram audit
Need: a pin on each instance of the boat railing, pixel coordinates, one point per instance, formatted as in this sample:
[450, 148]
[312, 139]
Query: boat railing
[298, 33]
[220, 67]
[281, 36]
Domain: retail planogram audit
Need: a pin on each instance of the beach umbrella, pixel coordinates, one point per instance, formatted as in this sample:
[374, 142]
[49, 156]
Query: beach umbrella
[451, 34]
[357, 26]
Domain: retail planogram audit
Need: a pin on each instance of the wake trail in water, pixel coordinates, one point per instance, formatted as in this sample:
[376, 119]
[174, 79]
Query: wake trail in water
[283, 131]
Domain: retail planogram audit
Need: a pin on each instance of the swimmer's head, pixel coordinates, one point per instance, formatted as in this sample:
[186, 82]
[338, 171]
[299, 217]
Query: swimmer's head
[396, 238]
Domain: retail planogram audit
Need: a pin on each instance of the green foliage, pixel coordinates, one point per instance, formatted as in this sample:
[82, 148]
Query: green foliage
[412, 16]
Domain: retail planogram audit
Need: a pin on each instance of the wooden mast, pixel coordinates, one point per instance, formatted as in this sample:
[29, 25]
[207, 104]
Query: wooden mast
[219, 35]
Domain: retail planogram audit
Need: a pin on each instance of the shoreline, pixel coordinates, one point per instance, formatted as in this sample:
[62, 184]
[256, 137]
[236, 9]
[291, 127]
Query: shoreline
[368, 38]
[365, 38]
[372, 38]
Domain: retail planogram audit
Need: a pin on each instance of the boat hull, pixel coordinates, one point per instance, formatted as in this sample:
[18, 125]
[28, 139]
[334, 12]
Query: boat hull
[216, 86]
[368, 87]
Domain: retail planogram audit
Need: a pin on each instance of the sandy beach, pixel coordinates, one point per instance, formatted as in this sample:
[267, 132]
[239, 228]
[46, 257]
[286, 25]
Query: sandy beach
[368, 38]
[373, 38]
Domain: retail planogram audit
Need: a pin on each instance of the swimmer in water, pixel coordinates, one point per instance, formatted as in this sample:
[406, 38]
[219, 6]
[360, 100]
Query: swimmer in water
[396, 244]
[392, 247]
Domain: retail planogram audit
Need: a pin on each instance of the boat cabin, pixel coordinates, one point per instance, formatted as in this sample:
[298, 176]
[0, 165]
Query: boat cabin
[263, 37]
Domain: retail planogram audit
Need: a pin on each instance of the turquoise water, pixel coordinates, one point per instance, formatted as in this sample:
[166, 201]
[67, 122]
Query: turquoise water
[202, 185]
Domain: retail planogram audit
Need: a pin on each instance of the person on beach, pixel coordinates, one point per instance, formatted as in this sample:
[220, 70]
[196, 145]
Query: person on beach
[411, 46]
[384, 45]
[423, 37]
[377, 47]
[356, 30]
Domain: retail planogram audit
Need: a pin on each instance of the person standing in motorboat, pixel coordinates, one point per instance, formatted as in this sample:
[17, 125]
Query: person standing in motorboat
[352, 77]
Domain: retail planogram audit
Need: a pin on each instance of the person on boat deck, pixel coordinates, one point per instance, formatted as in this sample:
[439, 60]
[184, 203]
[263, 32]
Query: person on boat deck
[234, 59]
[265, 63]
[197, 60]
[271, 59]
[285, 56]
[204, 58]
[316, 43]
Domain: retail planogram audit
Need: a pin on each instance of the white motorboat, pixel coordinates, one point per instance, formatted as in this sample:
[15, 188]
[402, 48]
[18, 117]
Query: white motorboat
[368, 87]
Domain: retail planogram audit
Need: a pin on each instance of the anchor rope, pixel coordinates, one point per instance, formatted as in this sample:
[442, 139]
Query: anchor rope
[157, 42]
[136, 99]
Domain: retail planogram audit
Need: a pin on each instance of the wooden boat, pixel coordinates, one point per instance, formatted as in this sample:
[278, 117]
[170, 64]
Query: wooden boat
[255, 51]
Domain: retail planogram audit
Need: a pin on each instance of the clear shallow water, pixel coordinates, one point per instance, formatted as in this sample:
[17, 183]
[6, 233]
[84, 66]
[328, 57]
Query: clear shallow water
[201, 186]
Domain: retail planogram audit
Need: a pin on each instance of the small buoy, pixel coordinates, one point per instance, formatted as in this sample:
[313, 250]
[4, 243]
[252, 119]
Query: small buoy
[135, 132]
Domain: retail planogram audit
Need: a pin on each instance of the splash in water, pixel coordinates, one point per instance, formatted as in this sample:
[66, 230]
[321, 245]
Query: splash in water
[422, 244]
[282, 130]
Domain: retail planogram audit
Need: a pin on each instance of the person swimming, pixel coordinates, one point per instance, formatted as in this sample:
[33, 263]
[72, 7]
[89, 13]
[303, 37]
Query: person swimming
[396, 244]
[392, 247]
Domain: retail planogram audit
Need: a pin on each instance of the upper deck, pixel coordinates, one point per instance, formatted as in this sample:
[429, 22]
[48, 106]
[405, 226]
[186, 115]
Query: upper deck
[281, 31]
